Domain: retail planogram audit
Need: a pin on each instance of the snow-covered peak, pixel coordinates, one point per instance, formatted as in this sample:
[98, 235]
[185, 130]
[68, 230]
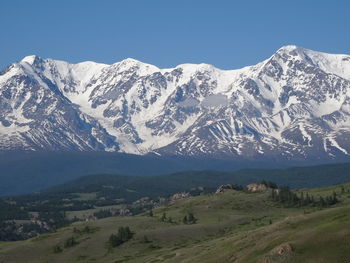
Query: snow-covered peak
[30, 59]
[129, 61]
[141, 68]
[288, 104]
[289, 48]
[338, 64]
[291, 52]
[197, 67]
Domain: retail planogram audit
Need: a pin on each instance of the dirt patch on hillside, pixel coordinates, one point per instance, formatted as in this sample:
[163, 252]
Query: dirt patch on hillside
[280, 253]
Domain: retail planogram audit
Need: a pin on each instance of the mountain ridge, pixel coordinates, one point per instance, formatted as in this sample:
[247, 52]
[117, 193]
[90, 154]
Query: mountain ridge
[294, 105]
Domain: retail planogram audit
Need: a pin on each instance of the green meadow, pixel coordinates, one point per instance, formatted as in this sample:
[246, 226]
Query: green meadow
[233, 226]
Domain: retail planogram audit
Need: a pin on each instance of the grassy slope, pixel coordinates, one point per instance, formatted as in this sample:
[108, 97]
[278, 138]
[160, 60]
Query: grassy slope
[232, 227]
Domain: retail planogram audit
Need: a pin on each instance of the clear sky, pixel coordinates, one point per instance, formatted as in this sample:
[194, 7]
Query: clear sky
[227, 34]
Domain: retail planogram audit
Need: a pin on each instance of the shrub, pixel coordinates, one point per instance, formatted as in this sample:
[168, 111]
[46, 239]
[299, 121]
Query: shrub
[57, 249]
[70, 242]
[189, 219]
[124, 234]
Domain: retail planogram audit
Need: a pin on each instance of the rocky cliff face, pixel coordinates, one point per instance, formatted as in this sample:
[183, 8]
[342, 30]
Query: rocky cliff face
[294, 105]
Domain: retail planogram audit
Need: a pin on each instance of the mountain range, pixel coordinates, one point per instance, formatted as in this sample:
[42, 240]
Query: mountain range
[294, 105]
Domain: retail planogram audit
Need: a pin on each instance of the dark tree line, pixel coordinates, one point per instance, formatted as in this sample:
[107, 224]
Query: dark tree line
[9, 211]
[103, 213]
[269, 184]
[10, 231]
[290, 199]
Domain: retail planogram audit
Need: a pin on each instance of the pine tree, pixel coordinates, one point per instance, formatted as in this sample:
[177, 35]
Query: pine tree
[322, 202]
[123, 235]
[128, 233]
[57, 249]
[70, 242]
[307, 200]
[334, 199]
[145, 239]
[312, 200]
[163, 218]
[190, 218]
[114, 240]
[273, 194]
[302, 198]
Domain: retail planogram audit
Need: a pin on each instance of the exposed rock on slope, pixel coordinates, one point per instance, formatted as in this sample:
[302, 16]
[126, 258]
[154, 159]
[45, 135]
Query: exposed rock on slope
[224, 187]
[294, 105]
[256, 188]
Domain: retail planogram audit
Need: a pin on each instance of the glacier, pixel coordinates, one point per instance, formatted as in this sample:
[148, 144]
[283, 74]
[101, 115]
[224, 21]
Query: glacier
[293, 105]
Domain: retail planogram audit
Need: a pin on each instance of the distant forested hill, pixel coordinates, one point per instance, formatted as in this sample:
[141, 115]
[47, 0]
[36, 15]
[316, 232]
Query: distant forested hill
[134, 187]
[25, 172]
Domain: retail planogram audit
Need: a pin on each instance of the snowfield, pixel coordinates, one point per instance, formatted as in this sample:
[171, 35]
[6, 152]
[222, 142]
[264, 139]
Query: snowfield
[294, 105]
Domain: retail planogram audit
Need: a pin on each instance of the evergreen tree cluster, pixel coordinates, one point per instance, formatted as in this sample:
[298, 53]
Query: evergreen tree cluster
[124, 234]
[269, 184]
[103, 213]
[189, 219]
[70, 242]
[54, 219]
[164, 218]
[10, 211]
[290, 199]
[84, 230]
[10, 231]
[57, 249]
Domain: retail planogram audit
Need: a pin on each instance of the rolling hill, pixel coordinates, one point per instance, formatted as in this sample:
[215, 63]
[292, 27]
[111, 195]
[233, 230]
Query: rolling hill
[233, 226]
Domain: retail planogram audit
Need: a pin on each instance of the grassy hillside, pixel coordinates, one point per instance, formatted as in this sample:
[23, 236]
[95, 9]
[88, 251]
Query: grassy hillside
[233, 226]
[99, 196]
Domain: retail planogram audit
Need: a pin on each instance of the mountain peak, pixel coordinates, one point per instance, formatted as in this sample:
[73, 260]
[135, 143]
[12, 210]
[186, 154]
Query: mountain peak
[142, 68]
[292, 50]
[293, 104]
[131, 60]
[288, 48]
[30, 59]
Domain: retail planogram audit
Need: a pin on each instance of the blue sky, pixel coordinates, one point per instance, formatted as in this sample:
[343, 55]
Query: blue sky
[227, 34]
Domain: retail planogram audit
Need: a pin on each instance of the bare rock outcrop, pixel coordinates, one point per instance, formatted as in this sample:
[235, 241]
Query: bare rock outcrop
[256, 188]
[224, 187]
[179, 196]
[279, 254]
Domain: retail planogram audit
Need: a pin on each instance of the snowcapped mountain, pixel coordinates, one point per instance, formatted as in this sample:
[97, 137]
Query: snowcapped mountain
[295, 105]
